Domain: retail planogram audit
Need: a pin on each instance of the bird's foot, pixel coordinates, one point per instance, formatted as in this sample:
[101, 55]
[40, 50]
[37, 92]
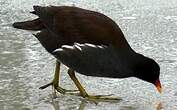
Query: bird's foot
[102, 98]
[65, 91]
[58, 88]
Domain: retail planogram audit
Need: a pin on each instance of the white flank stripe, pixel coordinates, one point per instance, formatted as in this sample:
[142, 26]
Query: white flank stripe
[78, 47]
[90, 45]
[67, 47]
[57, 50]
[99, 46]
[78, 44]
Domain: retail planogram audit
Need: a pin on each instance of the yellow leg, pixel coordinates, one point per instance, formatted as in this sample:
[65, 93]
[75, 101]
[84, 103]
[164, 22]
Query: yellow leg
[55, 82]
[84, 94]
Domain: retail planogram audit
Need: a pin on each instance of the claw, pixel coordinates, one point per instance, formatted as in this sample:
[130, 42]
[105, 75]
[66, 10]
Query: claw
[45, 86]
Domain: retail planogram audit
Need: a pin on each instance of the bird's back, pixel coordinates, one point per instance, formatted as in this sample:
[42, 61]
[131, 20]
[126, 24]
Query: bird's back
[72, 24]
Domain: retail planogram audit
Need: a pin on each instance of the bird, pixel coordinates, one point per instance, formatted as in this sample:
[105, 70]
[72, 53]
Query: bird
[89, 43]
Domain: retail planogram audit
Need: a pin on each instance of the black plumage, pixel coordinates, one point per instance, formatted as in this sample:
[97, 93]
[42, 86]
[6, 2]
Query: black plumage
[108, 53]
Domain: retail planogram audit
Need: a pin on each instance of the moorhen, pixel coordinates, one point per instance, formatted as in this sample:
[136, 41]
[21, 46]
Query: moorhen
[89, 43]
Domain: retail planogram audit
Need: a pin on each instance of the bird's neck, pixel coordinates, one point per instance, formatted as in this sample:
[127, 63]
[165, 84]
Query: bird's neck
[128, 59]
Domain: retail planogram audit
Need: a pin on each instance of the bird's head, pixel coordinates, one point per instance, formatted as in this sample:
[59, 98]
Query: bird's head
[148, 70]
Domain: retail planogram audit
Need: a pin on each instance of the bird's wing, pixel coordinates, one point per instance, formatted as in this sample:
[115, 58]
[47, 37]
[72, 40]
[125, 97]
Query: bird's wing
[76, 25]
[83, 53]
[89, 59]
[80, 25]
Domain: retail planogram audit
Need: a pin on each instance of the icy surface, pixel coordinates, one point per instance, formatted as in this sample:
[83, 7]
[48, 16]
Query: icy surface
[149, 26]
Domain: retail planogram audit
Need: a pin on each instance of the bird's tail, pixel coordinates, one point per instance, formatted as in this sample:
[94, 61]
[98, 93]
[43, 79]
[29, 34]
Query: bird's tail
[45, 15]
[34, 25]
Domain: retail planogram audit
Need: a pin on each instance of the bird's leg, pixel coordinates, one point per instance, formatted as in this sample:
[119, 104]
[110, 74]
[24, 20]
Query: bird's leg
[55, 82]
[85, 95]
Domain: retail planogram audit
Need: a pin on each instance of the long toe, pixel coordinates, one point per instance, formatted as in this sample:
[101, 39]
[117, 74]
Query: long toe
[60, 89]
[46, 85]
[65, 91]
[102, 98]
